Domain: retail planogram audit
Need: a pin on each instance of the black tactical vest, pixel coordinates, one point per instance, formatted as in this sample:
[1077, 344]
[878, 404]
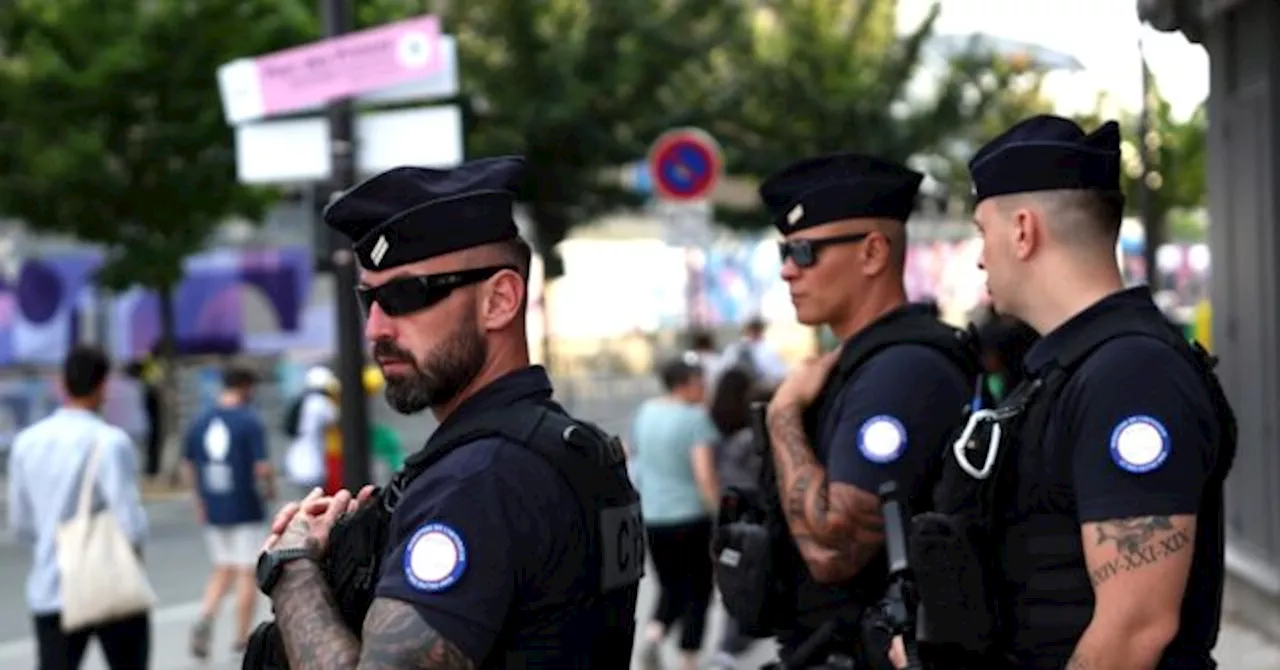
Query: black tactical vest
[1028, 527]
[594, 465]
[816, 604]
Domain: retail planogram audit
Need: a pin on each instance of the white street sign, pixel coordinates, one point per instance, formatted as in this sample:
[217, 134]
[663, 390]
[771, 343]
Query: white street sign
[294, 151]
[687, 224]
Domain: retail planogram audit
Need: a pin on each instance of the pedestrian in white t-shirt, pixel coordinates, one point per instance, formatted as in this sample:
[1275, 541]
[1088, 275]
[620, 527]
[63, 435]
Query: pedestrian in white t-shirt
[315, 411]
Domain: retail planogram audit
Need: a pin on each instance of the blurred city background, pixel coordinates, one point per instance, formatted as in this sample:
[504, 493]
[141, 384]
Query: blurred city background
[155, 201]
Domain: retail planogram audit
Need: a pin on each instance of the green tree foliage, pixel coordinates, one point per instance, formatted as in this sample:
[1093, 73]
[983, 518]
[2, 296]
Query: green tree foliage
[1179, 152]
[582, 86]
[822, 76]
[112, 127]
[578, 87]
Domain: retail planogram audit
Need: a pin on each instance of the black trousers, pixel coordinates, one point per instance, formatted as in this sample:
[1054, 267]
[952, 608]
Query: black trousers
[682, 557]
[126, 643]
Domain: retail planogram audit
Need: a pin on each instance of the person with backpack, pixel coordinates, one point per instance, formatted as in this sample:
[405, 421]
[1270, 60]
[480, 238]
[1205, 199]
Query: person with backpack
[312, 422]
[738, 466]
[878, 410]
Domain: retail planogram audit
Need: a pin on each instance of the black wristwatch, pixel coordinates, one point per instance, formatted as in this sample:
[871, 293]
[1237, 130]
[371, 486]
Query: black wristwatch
[271, 566]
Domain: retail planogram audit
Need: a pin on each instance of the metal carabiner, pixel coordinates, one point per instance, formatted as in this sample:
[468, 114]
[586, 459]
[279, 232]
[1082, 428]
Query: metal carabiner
[993, 445]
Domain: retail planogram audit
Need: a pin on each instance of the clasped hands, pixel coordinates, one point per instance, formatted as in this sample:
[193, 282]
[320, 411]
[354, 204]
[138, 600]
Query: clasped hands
[307, 523]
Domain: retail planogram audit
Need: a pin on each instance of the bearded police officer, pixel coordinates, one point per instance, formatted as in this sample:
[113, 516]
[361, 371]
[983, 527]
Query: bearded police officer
[1107, 481]
[516, 544]
[875, 411]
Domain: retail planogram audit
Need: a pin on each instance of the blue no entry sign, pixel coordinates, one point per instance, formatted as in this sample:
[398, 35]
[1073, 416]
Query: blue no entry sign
[685, 164]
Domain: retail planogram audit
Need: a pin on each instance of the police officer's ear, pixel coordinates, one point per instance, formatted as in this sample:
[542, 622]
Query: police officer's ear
[1026, 229]
[501, 300]
[883, 247]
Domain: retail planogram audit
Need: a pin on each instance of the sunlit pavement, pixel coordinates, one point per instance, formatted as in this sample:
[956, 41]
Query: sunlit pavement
[177, 564]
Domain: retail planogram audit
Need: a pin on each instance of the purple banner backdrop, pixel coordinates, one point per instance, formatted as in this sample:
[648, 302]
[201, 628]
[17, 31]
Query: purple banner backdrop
[209, 305]
[26, 399]
[39, 311]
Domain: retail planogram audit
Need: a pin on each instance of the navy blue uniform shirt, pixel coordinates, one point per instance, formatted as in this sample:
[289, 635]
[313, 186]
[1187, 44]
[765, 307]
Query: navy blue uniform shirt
[893, 415]
[1134, 434]
[223, 445]
[488, 545]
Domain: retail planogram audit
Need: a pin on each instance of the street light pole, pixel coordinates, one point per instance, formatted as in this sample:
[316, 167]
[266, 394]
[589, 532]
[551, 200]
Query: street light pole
[1149, 151]
[354, 410]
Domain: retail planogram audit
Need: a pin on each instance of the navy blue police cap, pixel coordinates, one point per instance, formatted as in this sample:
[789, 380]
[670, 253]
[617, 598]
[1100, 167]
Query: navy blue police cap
[1048, 153]
[820, 190]
[409, 214]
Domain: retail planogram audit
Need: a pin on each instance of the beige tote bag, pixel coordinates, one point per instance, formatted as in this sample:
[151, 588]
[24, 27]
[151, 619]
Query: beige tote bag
[102, 577]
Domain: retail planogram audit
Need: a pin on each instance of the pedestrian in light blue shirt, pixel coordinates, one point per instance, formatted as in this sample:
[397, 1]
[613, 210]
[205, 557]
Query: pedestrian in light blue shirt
[46, 465]
[675, 472]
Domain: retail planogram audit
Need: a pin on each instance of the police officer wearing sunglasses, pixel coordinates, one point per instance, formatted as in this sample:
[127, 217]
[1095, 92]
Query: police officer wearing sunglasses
[876, 410]
[513, 538]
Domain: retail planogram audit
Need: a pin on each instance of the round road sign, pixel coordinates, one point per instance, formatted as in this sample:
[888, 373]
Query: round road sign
[685, 164]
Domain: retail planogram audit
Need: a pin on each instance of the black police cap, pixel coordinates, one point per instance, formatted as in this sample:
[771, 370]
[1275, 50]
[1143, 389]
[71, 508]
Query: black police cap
[820, 190]
[1048, 153]
[408, 214]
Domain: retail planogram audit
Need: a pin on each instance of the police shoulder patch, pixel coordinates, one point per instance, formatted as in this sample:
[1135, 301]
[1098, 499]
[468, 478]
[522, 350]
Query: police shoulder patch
[882, 439]
[1139, 444]
[435, 558]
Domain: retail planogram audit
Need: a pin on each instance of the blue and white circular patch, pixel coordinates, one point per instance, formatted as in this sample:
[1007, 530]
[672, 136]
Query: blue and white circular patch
[435, 558]
[882, 439]
[1139, 444]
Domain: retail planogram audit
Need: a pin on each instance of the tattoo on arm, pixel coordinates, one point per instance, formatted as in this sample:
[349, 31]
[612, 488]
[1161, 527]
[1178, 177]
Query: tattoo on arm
[1140, 541]
[314, 634]
[823, 518]
[397, 638]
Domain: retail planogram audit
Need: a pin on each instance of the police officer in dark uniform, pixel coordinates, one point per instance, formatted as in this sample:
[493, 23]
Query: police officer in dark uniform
[1107, 488]
[494, 558]
[876, 410]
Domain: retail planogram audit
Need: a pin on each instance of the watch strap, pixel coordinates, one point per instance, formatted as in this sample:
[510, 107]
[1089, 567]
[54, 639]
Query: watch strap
[275, 562]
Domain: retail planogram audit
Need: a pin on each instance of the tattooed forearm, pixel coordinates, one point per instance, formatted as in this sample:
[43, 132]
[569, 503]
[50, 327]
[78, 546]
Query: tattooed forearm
[1139, 542]
[397, 638]
[837, 526]
[314, 635]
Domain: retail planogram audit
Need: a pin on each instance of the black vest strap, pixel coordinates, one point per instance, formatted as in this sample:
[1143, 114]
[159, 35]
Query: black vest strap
[1053, 559]
[517, 422]
[908, 326]
[1110, 326]
[590, 460]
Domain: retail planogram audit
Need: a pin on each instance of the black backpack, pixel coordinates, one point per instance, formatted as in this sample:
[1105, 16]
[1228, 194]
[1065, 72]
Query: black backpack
[293, 415]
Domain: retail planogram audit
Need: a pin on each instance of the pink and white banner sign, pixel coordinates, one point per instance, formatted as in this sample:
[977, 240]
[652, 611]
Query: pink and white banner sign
[313, 74]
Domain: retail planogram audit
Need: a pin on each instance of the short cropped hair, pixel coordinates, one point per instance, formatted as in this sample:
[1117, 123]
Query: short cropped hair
[84, 371]
[677, 373]
[1080, 216]
[518, 253]
[238, 377]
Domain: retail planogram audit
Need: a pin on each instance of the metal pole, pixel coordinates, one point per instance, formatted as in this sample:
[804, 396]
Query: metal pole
[1152, 228]
[354, 409]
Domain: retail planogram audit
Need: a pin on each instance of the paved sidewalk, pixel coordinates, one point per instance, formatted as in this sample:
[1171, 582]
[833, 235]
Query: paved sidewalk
[1238, 649]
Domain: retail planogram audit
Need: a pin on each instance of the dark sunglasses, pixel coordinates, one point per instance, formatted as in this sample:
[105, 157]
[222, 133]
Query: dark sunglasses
[805, 252]
[406, 295]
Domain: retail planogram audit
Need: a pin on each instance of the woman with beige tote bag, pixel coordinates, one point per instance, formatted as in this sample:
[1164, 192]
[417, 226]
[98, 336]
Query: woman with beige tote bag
[101, 574]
